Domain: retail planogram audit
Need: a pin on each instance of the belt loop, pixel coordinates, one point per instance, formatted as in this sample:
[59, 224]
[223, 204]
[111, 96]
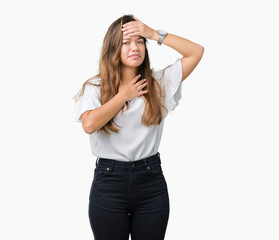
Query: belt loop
[97, 160]
[112, 165]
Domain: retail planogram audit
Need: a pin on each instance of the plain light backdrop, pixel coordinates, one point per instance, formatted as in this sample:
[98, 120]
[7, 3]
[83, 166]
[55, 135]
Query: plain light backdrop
[219, 148]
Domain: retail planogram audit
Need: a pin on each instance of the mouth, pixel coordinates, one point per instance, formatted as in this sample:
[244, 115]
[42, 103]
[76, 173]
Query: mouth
[135, 56]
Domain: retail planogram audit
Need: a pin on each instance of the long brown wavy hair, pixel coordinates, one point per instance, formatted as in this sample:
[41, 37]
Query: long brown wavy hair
[109, 74]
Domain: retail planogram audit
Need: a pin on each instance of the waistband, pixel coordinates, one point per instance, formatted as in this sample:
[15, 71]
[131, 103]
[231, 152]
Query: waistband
[137, 163]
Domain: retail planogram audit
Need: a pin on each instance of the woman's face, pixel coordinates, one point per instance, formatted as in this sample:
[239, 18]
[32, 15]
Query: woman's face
[132, 51]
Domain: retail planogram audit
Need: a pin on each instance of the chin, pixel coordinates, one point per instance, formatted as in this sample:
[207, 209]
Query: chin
[135, 64]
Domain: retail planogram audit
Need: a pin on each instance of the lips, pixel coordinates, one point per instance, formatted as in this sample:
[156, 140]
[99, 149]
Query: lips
[134, 55]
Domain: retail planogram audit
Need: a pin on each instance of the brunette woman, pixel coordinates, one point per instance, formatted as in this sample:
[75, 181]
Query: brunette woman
[123, 110]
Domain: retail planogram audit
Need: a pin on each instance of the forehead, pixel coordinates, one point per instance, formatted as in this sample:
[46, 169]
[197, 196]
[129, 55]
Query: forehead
[132, 38]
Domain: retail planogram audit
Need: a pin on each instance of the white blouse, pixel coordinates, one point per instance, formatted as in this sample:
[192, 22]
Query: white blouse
[134, 141]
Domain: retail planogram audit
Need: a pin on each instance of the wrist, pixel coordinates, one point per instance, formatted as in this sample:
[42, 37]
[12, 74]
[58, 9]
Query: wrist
[155, 36]
[122, 96]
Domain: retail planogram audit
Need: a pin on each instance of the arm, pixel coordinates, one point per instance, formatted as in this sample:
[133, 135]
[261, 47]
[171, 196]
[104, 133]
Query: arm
[95, 119]
[192, 52]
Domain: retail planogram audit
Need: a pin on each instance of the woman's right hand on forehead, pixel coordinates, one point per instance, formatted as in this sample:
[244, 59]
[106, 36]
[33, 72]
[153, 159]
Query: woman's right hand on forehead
[133, 89]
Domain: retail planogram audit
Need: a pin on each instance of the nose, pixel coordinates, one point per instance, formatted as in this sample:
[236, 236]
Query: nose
[134, 46]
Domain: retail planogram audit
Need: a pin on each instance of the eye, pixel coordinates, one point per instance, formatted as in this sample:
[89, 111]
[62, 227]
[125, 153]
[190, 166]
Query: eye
[125, 43]
[141, 42]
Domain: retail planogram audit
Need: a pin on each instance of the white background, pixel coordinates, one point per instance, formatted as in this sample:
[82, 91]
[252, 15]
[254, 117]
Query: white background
[219, 148]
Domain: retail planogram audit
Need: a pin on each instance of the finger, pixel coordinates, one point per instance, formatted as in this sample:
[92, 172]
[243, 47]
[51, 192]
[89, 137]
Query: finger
[127, 31]
[140, 82]
[130, 29]
[140, 88]
[131, 33]
[136, 19]
[135, 78]
[143, 92]
[128, 24]
[134, 34]
[143, 85]
[131, 24]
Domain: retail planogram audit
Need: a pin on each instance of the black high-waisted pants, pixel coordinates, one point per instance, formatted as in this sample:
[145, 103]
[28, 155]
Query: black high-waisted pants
[129, 198]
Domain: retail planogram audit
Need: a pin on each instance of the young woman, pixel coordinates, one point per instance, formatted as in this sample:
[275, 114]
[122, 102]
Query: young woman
[123, 110]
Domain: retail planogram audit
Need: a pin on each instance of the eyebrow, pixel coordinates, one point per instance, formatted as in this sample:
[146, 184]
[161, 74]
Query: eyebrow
[130, 38]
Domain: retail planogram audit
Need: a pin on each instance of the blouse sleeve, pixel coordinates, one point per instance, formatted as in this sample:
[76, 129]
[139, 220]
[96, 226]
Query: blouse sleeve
[89, 100]
[170, 81]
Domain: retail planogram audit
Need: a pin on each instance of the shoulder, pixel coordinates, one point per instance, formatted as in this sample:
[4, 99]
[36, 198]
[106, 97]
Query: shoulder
[170, 70]
[93, 81]
[92, 84]
[92, 88]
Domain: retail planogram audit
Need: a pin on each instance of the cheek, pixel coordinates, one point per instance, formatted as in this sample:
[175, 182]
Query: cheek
[124, 52]
[122, 56]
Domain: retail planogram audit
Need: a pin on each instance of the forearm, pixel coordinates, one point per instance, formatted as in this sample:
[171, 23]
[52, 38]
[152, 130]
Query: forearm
[182, 45]
[97, 118]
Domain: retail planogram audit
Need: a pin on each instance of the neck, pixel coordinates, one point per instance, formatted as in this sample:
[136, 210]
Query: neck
[127, 74]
